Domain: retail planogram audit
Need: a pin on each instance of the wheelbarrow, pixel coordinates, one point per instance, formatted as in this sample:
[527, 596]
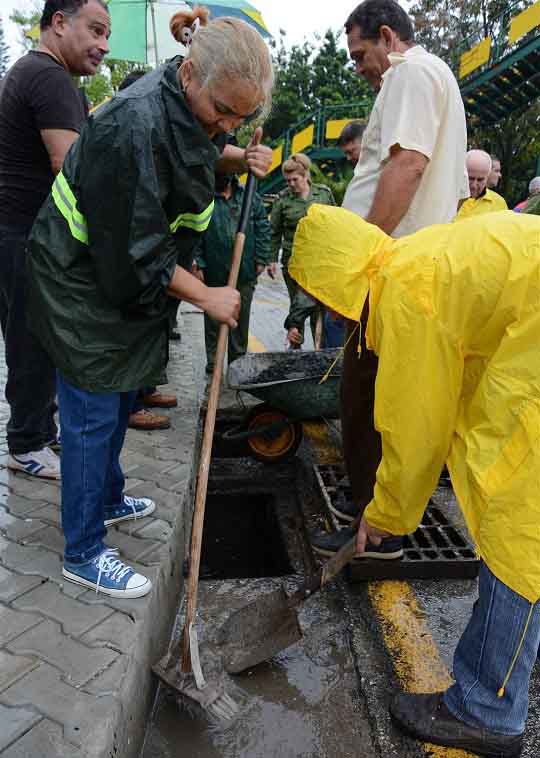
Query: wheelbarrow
[294, 387]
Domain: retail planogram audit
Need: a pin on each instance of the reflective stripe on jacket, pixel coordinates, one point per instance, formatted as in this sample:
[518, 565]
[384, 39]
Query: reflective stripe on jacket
[133, 197]
[214, 253]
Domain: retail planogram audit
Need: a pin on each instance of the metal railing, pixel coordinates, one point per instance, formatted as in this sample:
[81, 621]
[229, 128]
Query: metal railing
[497, 28]
[319, 119]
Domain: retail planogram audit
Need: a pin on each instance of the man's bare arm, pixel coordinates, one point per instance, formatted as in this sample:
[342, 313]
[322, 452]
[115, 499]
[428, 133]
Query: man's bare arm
[396, 188]
[58, 142]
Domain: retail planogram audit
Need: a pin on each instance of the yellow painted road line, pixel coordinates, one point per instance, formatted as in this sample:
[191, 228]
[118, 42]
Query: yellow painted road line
[414, 653]
[255, 346]
[407, 637]
[274, 303]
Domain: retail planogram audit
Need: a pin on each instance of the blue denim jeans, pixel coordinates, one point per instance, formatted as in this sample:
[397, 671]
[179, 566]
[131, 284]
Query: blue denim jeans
[484, 656]
[334, 331]
[93, 430]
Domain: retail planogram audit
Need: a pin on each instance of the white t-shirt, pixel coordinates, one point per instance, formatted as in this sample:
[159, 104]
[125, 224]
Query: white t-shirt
[419, 107]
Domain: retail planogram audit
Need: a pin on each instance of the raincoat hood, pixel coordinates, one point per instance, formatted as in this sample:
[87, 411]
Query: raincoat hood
[335, 253]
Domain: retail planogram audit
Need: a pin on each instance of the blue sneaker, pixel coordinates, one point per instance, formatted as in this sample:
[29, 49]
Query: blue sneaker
[328, 544]
[106, 573]
[130, 509]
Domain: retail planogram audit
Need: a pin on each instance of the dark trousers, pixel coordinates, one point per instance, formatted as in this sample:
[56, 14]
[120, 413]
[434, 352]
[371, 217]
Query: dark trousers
[138, 402]
[238, 338]
[361, 442]
[292, 289]
[31, 377]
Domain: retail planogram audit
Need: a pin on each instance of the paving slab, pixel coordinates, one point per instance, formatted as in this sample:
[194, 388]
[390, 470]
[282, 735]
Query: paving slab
[13, 667]
[18, 505]
[117, 631]
[75, 618]
[14, 722]
[13, 623]
[12, 584]
[75, 666]
[79, 713]
[42, 741]
[77, 662]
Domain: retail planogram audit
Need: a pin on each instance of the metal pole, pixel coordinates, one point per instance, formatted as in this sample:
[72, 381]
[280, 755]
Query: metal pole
[154, 34]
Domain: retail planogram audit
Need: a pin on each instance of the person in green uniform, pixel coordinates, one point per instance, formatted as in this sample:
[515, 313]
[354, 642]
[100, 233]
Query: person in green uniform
[214, 258]
[112, 244]
[291, 206]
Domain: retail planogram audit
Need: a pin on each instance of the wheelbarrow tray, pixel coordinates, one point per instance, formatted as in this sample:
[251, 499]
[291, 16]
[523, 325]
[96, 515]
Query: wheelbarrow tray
[290, 381]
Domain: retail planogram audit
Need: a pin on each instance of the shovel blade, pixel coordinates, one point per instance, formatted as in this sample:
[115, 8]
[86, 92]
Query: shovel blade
[259, 630]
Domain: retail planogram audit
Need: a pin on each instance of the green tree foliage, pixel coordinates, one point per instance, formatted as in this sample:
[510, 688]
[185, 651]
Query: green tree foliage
[27, 20]
[450, 27]
[105, 83]
[515, 140]
[98, 87]
[4, 52]
[310, 76]
[338, 185]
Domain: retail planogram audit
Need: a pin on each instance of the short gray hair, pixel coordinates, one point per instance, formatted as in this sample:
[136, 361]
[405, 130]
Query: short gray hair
[228, 48]
[534, 186]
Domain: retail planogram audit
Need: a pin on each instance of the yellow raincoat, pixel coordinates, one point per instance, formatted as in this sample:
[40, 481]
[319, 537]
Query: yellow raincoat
[455, 320]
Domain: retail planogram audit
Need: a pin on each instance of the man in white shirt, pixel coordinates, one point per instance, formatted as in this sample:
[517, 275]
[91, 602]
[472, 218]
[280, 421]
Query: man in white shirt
[411, 174]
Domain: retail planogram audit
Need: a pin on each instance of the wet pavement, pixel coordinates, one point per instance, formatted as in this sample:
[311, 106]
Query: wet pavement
[290, 707]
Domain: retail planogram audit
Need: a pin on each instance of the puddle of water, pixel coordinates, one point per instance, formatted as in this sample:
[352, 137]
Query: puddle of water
[302, 704]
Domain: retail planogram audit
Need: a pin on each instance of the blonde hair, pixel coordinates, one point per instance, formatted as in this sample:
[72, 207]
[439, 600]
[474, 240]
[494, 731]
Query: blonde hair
[228, 48]
[299, 163]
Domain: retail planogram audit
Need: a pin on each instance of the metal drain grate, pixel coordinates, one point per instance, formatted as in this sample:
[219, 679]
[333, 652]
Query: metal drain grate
[436, 550]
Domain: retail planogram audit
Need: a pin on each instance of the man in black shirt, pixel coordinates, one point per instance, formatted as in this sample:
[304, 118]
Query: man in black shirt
[41, 114]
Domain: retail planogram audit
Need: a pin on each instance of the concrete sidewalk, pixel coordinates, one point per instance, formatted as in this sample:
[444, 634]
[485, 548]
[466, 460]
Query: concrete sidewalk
[75, 675]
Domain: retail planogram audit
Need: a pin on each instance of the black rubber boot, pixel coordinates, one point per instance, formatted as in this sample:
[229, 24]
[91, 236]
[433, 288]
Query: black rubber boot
[427, 718]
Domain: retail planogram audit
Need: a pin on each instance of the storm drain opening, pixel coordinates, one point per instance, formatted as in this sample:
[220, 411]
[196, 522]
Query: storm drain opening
[242, 538]
[437, 549]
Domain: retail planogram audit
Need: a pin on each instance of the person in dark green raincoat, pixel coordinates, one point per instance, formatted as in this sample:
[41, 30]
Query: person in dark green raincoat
[110, 246]
[214, 257]
[291, 206]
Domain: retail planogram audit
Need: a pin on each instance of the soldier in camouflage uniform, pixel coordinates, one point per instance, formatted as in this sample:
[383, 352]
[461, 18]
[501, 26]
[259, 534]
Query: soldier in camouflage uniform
[292, 205]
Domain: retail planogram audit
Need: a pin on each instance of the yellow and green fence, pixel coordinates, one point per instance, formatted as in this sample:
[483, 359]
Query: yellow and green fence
[316, 135]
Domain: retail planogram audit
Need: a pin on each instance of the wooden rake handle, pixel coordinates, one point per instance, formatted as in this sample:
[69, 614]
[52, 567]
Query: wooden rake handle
[208, 433]
[319, 328]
